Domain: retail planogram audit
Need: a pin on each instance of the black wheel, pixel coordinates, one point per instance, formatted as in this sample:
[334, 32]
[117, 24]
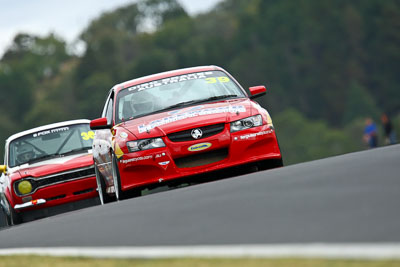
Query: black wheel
[3, 218]
[15, 218]
[119, 194]
[101, 187]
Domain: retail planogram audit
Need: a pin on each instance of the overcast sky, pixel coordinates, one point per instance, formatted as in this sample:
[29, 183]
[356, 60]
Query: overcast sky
[66, 18]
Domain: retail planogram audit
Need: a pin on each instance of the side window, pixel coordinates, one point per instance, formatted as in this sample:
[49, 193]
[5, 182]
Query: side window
[5, 155]
[108, 109]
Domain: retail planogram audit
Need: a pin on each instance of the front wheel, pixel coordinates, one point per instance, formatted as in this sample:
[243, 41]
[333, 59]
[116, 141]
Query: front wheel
[119, 194]
[15, 218]
[3, 218]
[101, 187]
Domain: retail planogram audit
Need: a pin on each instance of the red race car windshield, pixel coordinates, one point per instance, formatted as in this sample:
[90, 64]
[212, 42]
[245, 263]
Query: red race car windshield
[50, 143]
[174, 92]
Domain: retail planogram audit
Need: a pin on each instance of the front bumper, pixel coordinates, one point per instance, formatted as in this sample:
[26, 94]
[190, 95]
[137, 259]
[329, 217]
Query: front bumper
[29, 204]
[182, 159]
[57, 194]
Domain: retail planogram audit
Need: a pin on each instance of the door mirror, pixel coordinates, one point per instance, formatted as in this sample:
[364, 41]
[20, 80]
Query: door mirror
[257, 91]
[99, 124]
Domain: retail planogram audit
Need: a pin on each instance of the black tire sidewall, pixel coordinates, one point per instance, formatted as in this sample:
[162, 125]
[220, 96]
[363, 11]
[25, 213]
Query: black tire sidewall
[118, 187]
[3, 218]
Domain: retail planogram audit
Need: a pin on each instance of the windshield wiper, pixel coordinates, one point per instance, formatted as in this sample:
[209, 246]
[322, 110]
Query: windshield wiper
[178, 105]
[72, 151]
[58, 155]
[219, 97]
[41, 158]
[181, 104]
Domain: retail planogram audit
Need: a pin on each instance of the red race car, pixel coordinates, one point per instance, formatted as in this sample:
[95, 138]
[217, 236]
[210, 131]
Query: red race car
[176, 124]
[48, 170]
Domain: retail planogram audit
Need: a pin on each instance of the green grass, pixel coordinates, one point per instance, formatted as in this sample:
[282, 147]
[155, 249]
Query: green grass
[32, 261]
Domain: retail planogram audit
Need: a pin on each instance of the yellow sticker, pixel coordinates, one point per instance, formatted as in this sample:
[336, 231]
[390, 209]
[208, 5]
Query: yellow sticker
[118, 151]
[199, 147]
[88, 135]
[221, 79]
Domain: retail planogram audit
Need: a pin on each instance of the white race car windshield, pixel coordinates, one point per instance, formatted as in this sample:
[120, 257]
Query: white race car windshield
[177, 91]
[49, 143]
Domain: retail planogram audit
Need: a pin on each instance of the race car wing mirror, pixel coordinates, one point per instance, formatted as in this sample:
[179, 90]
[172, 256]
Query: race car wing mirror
[99, 124]
[257, 91]
[3, 168]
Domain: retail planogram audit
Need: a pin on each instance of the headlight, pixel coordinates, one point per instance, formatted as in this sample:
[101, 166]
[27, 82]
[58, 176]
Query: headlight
[246, 123]
[24, 187]
[144, 144]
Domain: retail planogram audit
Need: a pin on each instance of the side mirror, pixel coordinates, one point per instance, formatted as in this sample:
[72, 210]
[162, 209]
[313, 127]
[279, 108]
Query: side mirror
[99, 124]
[3, 168]
[257, 91]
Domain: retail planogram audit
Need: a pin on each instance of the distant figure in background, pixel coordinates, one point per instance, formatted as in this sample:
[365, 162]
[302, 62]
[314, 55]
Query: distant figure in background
[390, 135]
[370, 133]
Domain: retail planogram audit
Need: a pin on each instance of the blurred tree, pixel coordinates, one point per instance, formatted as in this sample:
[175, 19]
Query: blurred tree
[38, 57]
[25, 68]
[359, 104]
[118, 49]
[303, 140]
[154, 13]
[17, 93]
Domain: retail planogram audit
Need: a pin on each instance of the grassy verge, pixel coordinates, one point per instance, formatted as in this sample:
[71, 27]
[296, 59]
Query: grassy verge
[32, 261]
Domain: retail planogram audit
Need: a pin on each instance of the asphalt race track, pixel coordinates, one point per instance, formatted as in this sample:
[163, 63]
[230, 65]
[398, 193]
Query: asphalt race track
[346, 199]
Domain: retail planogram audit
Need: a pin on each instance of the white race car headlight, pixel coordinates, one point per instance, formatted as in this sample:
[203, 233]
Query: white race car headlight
[145, 144]
[246, 123]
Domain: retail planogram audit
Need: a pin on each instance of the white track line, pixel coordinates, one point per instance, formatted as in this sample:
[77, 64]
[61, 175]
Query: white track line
[370, 251]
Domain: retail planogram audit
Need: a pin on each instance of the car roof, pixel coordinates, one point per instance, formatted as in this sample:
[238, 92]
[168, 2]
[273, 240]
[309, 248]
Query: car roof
[163, 75]
[45, 127]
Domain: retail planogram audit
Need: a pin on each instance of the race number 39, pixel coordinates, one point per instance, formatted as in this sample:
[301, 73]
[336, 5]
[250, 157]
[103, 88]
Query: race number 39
[219, 79]
[88, 135]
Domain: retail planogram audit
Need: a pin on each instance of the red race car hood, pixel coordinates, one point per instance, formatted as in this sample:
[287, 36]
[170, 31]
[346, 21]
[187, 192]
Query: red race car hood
[194, 116]
[56, 165]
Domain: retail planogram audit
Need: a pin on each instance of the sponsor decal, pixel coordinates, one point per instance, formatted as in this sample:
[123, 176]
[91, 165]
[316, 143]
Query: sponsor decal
[164, 163]
[187, 110]
[57, 130]
[247, 136]
[194, 113]
[199, 147]
[123, 135]
[171, 80]
[126, 161]
[160, 155]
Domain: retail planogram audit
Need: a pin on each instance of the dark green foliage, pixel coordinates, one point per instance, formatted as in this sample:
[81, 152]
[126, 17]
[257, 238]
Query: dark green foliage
[327, 64]
[303, 140]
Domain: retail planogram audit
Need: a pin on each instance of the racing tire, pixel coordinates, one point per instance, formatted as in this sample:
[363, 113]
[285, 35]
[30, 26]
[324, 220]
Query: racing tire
[101, 187]
[3, 218]
[15, 218]
[119, 194]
